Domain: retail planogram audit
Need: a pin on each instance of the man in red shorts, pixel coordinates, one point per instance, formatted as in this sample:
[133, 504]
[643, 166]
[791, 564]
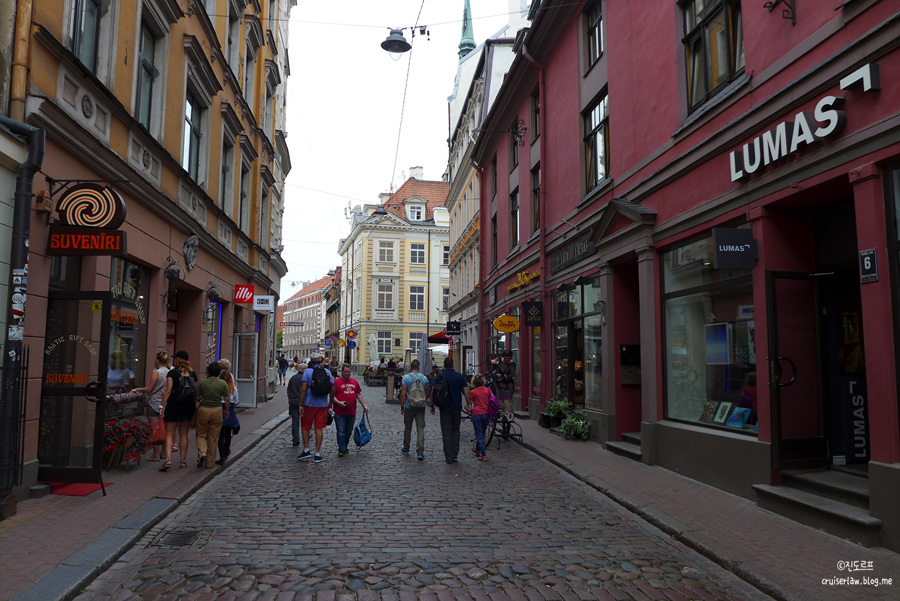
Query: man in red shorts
[315, 390]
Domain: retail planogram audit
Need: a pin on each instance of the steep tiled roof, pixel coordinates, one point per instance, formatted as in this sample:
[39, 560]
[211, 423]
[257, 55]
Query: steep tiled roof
[434, 194]
[317, 285]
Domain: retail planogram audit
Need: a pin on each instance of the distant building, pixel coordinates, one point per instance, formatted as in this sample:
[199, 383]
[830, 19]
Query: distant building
[395, 276]
[304, 319]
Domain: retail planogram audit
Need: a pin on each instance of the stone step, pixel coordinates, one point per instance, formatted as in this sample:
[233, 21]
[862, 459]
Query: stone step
[632, 437]
[626, 449]
[840, 486]
[837, 518]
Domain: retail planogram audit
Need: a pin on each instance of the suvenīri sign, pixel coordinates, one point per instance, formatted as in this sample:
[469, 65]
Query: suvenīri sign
[89, 218]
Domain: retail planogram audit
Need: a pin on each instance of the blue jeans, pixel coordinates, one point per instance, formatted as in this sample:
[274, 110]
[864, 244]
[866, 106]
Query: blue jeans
[480, 423]
[294, 412]
[344, 425]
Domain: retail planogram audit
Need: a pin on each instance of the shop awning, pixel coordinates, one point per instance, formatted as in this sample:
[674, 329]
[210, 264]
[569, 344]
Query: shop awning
[439, 338]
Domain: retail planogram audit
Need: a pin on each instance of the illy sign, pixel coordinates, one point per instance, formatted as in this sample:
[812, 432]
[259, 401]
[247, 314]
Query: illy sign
[243, 293]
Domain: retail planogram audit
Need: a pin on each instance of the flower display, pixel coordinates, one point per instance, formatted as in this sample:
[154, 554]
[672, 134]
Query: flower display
[118, 431]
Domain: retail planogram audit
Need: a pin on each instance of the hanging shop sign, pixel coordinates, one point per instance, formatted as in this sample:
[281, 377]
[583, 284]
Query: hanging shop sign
[790, 137]
[264, 303]
[454, 328]
[523, 278]
[734, 248]
[291, 324]
[243, 293]
[507, 324]
[534, 313]
[89, 218]
[572, 254]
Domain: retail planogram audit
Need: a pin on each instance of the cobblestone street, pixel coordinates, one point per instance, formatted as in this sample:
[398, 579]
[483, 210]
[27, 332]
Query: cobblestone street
[379, 524]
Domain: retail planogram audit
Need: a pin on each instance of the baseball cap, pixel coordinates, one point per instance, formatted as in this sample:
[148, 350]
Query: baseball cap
[182, 355]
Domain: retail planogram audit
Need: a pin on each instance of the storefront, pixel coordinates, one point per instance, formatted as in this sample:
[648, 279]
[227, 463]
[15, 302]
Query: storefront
[578, 318]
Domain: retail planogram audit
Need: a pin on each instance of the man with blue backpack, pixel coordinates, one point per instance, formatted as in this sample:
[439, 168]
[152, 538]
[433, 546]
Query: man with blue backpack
[413, 399]
[315, 390]
[447, 394]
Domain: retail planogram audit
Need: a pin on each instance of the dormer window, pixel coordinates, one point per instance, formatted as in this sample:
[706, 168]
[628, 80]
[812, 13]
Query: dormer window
[416, 212]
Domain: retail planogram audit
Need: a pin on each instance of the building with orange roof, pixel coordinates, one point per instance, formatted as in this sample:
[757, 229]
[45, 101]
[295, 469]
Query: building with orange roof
[396, 282]
[303, 319]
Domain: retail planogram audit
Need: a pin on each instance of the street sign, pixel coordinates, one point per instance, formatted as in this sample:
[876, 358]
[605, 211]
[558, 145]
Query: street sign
[291, 324]
[351, 334]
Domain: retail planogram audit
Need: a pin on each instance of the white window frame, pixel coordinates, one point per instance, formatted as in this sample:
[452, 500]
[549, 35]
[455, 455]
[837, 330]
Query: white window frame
[416, 253]
[415, 340]
[384, 342]
[445, 254]
[386, 250]
[384, 297]
[415, 212]
[445, 299]
[104, 41]
[417, 298]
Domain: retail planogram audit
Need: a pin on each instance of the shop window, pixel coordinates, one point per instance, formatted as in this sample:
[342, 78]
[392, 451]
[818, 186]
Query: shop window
[127, 337]
[536, 357]
[713, 45]
[578, 315]
[710, 348]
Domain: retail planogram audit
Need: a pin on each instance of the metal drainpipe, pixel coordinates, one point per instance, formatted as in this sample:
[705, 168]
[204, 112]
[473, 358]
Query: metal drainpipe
[18, 260]
[545, 350]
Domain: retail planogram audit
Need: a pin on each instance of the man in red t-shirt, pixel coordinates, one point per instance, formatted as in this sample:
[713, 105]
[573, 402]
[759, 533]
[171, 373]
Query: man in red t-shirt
[344, 395]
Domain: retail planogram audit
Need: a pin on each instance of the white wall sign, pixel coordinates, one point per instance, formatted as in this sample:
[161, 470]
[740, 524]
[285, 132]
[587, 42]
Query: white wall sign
[263, 303]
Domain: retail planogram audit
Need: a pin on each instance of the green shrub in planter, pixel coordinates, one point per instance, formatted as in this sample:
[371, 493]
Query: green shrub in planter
[558, 407]
[576, 425]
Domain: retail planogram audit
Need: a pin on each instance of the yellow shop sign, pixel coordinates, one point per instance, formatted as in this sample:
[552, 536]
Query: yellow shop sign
[523, 279]
[507, 324]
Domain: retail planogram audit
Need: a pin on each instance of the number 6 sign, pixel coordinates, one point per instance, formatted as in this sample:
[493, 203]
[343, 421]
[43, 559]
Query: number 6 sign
[868, 266]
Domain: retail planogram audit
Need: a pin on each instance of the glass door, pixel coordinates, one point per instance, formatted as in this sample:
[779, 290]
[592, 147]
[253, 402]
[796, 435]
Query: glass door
[796, 388]
[245, 362]
[73, 387]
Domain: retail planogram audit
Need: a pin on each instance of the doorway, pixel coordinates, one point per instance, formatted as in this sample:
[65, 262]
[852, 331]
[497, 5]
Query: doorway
[817, 379]
[245, 362]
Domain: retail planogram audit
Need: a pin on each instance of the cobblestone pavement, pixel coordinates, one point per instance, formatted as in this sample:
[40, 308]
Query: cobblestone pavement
[377, 524]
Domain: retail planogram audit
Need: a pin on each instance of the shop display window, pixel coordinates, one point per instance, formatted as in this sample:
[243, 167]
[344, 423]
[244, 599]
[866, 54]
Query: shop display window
[127, 338]
[710, 348]
[578, 320]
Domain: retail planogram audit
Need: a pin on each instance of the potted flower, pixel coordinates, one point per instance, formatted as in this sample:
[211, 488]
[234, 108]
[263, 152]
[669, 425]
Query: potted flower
[576, 425]
[556, 410]
[126, 439]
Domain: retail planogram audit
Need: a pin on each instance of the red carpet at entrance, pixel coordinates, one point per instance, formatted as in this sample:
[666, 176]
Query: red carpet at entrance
[75, 489]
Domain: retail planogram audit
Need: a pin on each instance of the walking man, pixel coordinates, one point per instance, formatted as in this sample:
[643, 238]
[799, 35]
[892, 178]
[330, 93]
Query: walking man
[282, 368]
[454, 386]
[344, 397]
[315, 389]
[293, 392]
[505, 379]
[413, 398]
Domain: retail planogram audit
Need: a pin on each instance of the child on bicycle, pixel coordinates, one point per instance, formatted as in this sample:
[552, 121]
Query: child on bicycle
[479, 397]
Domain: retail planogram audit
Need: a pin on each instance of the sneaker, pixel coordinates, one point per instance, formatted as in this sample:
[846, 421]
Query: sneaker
[405, 451]
[475, 450]
[420, 455]
[296, 443]
[304, 455]
[340, 453]
[318, 458]
[482, 458]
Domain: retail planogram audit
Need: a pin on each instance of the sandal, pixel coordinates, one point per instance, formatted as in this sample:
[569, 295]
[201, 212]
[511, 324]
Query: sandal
[165, 466]
[183, 464]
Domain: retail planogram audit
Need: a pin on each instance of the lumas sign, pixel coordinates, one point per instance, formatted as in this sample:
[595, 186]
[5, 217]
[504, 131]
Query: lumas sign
[790, 137]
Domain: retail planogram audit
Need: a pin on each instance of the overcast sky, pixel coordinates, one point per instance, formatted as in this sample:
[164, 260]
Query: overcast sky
[344, 103]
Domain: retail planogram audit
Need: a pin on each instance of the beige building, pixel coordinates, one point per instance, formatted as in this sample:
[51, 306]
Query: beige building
[177, 107]
[395, 283]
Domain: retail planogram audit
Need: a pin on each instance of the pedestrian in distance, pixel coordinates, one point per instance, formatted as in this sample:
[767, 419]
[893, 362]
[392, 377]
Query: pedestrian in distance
[298, 365]
[155, 388]
[478, 401]
[413, 400]
[211, 390]
[346, 393]
[282, 369]
[181, 382]
[293, 392]
[391, 368]
[505, 381]
[315, 391]
[230, 423]
[452, 388]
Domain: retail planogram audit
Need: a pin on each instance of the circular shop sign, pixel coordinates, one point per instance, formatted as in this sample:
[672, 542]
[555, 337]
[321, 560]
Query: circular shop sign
[507, 324]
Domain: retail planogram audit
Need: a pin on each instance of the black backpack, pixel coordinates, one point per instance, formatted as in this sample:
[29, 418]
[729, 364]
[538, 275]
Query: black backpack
[321, 382]
[440, 394]
[186, 393]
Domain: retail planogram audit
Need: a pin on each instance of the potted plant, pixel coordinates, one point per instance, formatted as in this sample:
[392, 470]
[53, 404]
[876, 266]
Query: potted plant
[576, 425]
[126, 439]
[557, 409]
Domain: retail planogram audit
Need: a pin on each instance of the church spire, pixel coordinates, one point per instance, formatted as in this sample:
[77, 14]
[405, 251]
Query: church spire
[467, 43]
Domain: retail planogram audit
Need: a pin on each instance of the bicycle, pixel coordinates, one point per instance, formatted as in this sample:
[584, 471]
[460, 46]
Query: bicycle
[499, 426]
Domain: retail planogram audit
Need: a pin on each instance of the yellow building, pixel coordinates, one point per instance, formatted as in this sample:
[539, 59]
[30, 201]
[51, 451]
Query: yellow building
[177, 107]
[395, 283]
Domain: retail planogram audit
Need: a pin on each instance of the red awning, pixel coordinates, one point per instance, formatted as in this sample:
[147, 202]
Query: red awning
[439, 338]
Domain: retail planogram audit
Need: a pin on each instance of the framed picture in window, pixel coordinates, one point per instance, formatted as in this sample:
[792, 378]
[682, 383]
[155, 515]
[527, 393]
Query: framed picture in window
[709, 412]
[723, 412]
[738, 417]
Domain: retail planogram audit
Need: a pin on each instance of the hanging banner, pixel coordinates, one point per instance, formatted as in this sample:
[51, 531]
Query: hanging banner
[534, 313]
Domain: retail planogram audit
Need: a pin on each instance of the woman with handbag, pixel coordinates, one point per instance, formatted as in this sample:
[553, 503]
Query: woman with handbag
[211, 390]
[181, 382]
[230, 423]
[155, 388]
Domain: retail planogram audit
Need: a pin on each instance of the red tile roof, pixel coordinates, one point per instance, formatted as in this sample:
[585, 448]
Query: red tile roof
[317, 285]
[433, 193]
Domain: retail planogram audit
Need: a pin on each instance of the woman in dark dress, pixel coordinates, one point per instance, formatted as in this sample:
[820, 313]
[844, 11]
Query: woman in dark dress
[178, 414]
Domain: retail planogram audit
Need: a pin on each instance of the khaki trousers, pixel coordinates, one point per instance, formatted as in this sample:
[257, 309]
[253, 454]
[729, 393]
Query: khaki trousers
[209, 424]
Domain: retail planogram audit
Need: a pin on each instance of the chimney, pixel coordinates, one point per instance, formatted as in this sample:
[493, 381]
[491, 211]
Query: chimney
[384, 197]
[416, 173]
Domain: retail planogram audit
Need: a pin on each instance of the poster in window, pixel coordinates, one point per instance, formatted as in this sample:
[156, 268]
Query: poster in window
[718, 344]
[723, 412]
[709, 412]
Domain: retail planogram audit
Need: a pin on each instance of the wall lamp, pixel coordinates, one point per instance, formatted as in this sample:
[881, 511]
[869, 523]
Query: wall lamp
[562, 287]
[173, 274]
[212, 295]
[579, 281]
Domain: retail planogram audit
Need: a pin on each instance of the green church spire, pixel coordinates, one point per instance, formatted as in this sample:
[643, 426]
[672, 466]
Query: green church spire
[467, 43]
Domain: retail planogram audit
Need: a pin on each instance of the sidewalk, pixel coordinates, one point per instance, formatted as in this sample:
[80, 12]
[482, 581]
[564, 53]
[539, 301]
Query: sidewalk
[54, 545]
[57, 544]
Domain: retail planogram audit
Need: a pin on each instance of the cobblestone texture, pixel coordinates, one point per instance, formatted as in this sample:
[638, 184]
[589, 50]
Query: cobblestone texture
[377, 524]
